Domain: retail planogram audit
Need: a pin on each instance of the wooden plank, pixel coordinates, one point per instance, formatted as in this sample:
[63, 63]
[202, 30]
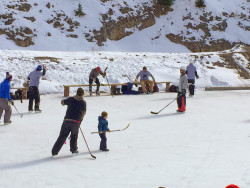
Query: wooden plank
[85, 85]
[118, 84]
[66, 91]
[225, 88]
[18, 88]
[167, 87]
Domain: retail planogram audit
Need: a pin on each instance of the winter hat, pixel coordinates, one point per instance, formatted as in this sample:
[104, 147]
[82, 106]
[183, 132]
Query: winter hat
[232, 186]
[8, 76]
[183, 68]
[98, 69]
[80, 92]
[39, 67]
[144, 68]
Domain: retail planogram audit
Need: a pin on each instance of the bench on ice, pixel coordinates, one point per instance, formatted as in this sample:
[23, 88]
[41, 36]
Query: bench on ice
[225, 88]
[23, 89]
[113, 86]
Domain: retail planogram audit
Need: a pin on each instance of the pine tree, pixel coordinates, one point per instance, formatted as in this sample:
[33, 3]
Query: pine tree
[79, 11]
[166, 2]
[200, 3]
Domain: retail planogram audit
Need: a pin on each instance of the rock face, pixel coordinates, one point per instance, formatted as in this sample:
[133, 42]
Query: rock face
[116, 30]
[202, 45]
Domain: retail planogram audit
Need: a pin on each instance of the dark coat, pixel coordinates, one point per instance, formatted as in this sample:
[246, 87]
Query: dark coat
[76, 108]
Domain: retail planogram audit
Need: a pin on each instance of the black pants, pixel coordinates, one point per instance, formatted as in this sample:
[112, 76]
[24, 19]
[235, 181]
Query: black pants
[67, 127]
[179, 100]
[34, 95]
[191, 86]
[103, 144]
[91, 82]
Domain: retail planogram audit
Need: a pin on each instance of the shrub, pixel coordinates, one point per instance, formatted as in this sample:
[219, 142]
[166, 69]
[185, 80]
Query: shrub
[166, 2]
[200, 3]
[79, 11]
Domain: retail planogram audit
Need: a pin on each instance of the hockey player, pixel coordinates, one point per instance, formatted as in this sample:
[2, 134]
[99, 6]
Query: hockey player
[183, 85]
[191, 75]
[76, 110]
[93, 77]
[5, 99]
[103, 128]
[33, 92]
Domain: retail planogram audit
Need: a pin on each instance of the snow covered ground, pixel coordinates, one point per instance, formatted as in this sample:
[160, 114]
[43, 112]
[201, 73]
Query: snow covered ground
[206, 147]
[67, 68]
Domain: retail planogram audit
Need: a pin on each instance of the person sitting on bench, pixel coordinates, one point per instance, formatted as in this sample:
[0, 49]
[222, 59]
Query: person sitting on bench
[144, 80]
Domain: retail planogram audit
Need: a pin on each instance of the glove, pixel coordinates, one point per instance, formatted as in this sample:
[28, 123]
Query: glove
[197, 77]
[183, 92]
[10, 102]
[104, 75]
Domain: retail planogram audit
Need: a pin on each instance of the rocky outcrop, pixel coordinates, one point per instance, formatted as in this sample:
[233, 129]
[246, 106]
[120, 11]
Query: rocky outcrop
[116, 30]
[201, 46]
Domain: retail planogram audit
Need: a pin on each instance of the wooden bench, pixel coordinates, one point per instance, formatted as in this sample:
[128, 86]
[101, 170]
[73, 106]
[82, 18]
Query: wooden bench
[225, 88]
[67, 87]
[24, 91]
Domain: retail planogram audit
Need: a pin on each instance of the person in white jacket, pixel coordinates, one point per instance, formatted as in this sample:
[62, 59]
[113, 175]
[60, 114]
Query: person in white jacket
[183, 85]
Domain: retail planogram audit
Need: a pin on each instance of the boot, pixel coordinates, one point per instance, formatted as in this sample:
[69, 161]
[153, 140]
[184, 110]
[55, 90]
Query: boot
[75, 152]
[105, 150]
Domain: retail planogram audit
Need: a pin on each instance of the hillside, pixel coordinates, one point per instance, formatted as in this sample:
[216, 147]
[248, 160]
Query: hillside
[121, 25]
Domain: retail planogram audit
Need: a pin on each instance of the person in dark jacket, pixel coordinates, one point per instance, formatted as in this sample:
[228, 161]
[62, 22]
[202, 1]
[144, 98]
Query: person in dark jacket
[5, 99]
[93, 77]
[183, 85]
[191, 75]
[75, 112]
[33, 92]
[103, 128]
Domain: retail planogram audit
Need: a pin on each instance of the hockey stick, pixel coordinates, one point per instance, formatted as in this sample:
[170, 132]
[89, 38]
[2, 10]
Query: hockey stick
[21, 115]
[87, 145]
[109, 86]
[166, 105]
[113, 130]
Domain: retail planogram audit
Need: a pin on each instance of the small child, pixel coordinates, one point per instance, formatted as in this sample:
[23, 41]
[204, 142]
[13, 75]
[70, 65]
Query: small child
[103, 128]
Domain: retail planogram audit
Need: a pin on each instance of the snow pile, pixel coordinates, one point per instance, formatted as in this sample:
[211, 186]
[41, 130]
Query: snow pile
[67, 68]
[206, 147]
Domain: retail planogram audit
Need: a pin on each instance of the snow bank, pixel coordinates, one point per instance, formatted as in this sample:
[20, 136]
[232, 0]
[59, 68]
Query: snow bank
[66, 68]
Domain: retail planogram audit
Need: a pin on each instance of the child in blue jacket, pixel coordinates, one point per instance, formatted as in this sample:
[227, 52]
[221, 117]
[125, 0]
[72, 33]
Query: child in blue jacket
[103, 128]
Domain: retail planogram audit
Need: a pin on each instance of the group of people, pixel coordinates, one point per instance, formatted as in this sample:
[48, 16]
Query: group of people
[76, 106]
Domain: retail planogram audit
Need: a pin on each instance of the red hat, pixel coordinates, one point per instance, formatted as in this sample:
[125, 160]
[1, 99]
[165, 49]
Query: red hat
[98, 69]
[232, 186]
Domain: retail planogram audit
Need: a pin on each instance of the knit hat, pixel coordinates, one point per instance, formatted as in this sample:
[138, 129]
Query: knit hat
[98, 69]
[183, 68]
[8, 76]
[232, 186]
[39, 67]
[80, 92]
